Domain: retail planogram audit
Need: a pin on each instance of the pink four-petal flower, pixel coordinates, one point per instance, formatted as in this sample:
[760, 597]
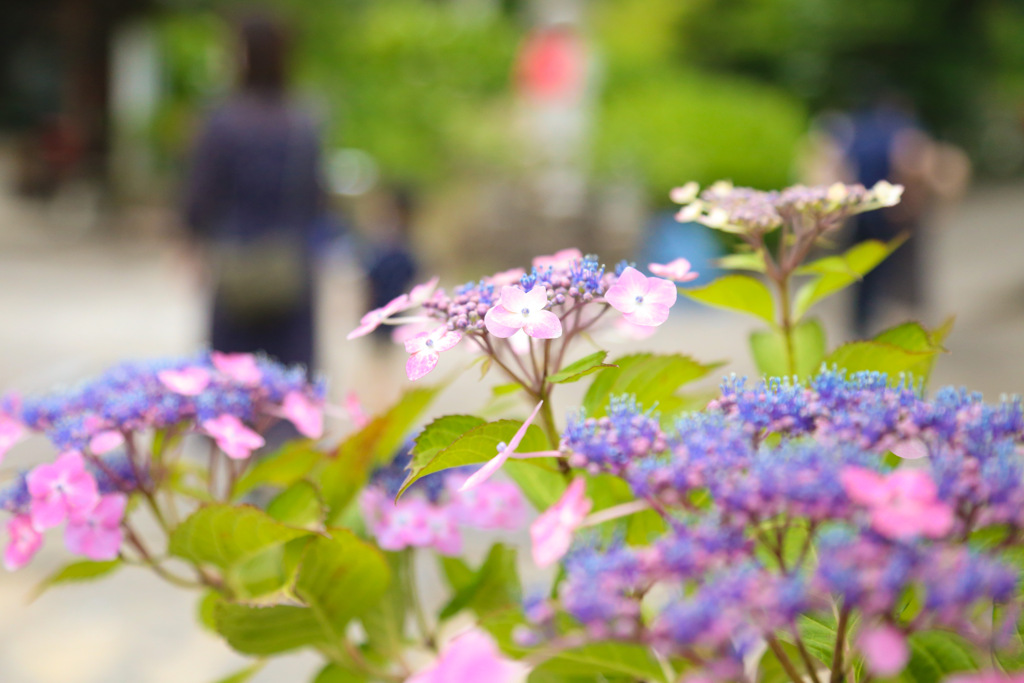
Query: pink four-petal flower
[306, 414]
[60, 490]
[902, 505]
[372, 320]
[471, 657]
[504, 451]
[105, 441]
[187, 381]
[551, 533]
[234, 438]
[677, 270]
[25, 542]
[97, 534]
[426, 348]
[240, 367]
[885, 650]
[642, 300]
[518, 310]
[562, 258]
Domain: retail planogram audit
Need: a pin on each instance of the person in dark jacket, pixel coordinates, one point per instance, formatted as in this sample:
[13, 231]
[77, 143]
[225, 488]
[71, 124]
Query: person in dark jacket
[253, 198]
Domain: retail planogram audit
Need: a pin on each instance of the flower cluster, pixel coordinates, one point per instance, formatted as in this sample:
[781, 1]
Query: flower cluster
[509, 311]
[748, 211]
[432, 513]
[100, 428]
[781, 499]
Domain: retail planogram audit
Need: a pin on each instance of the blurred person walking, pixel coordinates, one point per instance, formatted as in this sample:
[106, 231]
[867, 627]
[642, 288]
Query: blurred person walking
[254, 197]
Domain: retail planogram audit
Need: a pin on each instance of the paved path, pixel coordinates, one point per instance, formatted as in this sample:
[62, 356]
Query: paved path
[70, 307]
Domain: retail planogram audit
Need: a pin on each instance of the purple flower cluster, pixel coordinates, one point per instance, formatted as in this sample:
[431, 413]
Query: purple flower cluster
[610, 444]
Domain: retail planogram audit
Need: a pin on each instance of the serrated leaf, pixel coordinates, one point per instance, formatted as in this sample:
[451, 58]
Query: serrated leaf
[753, 260]
[912, 336]
[298, 505]
[740, 293]
[440, 434]
[769, 349]
[224, 535]
[475, 446]
[936, 654]
[267, 630]
[334, 673]
[634, 661]
[876, 356]
[340, 578]
[835, 273]
[494, 586]
[86, 570]
[651, 378]
[243, 675]
[291, 462]
[580, 369]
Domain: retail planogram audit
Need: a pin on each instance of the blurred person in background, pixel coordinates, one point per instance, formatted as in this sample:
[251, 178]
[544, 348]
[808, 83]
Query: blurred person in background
[254, 199]
[885, 141]
[390, 263]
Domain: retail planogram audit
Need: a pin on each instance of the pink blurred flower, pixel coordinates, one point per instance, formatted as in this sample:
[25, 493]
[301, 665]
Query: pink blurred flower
[422, 292]
[234, 438]
[504, 451]
[11, 432]
[397, 525]
[642, 300]
[445, 536]
[885, 650]
[105, 441]
[523, 310]
[60, 490]
[560, 259]
[355, 411]
[372, 320]
[471, 656]
[187, 381]
[551, 533]
[685, 193]
[306, 414]
[902, 505]
[507, 277]
[240, 367]
[25, 542]
[426, 349]
[491, 505]
[910, 449]
[97, 533]
[677, 270]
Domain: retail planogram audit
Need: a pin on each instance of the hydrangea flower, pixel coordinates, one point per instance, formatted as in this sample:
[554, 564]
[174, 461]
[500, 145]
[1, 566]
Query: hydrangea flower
[234, 438]
[902, 505]
[519, 310]
[304, 413]
[551, 533]
[426, 349]
[11, 432]
[885, 650]
[97, 533]
[60, 490]
[677, 270]
[472, 656]
[186, 381]
[24, 544]
[240, 367]
[504, 452]
[372, 320]
[642, 300]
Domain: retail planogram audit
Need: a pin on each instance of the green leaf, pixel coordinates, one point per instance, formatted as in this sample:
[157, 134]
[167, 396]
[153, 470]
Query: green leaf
[769, 349]
[206, 609]
[385, 625]
[652, 379]
[835, 273]
[494, 586]
[877, 356]
[340, 578]
[505, 389]
[741, 293]
[267, 630]
[243, 675]
[333, 673]
[581, 368]
[477, 445]
[291, 462]
[224, 535]
[634, 661]
[752, 260]
[86, 570]
[376, 443]
[440, 434]
[539, 479]
[298, 505]
[936, 654]
[770, 669]
[912, 336]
